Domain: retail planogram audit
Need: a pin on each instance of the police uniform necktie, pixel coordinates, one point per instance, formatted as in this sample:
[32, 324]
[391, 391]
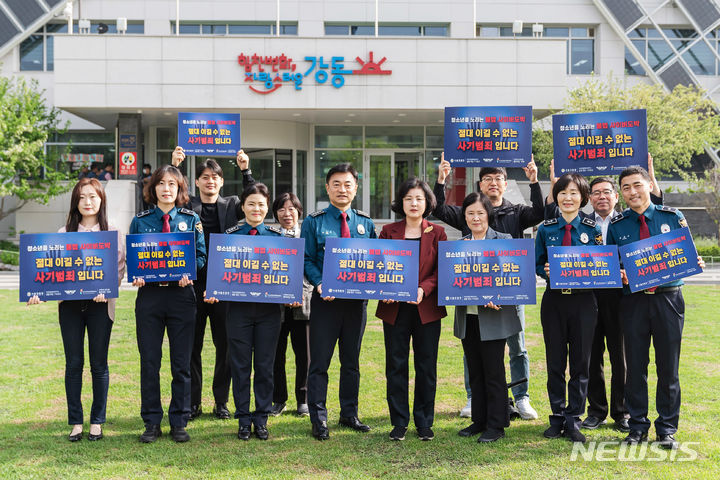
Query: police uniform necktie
[645, 233]
[567, 239]
[166, 223]
[253, 231]
[344, 227]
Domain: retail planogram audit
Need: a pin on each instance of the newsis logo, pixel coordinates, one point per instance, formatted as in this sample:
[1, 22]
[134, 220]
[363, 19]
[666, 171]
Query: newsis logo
[617, 451]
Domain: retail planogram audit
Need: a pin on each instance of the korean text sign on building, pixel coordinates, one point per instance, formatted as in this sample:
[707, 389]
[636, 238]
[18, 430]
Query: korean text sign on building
[660, 259]
[68, 266]
[371, 269]
[161, 257]
[592, 266]
[216, 134]
[476, 272]
[244, 268]
[600, 143]
[488, 136]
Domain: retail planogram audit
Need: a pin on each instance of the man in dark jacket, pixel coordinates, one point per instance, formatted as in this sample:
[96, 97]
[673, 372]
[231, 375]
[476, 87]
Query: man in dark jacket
[217, 215]
[512, 219]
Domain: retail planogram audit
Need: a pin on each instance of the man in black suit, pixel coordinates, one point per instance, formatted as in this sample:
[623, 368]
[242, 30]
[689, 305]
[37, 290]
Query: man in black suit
[217, 215]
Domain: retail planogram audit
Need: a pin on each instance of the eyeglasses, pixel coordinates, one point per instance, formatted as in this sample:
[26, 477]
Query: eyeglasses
[488, 179]
[598, 193]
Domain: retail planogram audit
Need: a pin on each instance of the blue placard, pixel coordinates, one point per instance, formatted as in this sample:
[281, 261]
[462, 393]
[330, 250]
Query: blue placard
[371, 269]
[245, 268]
[600, 143]
[592, 266]
[161, 257]
[216, 134]
[476, 272]
[660, 259]
[488, 136]
[68, 266]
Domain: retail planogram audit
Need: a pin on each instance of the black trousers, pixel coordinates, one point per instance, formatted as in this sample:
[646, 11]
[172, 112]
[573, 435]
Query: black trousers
[659, 317]
[568, 323]
[217, 312]
[156, 309]
[608, 329]
[299, 332]
[76, 316]
[252, 332]
[340, 322]
[425, 339]
[486, 366]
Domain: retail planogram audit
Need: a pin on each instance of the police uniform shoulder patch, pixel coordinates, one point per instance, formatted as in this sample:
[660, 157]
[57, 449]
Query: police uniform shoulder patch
[362, 214]
[682, 222]
[550, 221]
[199, 227]
[143, 213]
[617, 218]
[186, 211]
[235, 228]
[274, 229]
[318, 213]
[588, 221]
[664, 208]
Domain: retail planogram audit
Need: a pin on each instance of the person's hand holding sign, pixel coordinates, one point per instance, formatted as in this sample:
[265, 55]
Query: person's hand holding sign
[421, 293]
[242, 160]
[553, 179]
[138, 282]
[178, 156]
[444, 169]
[207, 299]
[100, 298]
[184, 281]
[327, 299]
[651, 170]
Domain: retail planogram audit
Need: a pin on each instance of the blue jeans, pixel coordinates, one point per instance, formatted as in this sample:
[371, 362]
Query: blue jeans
[519, 361]
[75, 317]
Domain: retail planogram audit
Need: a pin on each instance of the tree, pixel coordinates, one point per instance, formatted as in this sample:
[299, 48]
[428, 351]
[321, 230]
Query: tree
[680, 123]
[26, 123]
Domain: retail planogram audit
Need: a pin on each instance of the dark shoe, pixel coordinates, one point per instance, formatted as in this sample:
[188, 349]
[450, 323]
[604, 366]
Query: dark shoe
[277, 409]
[195, 411]
[622, 426]
[221, 411]
[592, 422]
[303, 410]
[473, 429]
[635, 437]
[491, 435]
[555, 431]
[575, 436]
[354, 423]
[398, 433]
[425, 434]
[76, 438]
[667, 442]
[320, 431]
[244, 432]
[261, 432]
[93, 437]
[151, 433]
[179, 434]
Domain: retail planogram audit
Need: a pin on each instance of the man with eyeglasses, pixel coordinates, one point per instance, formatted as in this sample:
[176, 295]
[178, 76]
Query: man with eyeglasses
[509, 218]
[604, 198]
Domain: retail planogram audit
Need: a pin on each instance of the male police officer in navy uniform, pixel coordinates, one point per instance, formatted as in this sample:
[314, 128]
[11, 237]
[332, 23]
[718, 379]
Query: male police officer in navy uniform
[217, 214]
[334, 320]
[656, 314]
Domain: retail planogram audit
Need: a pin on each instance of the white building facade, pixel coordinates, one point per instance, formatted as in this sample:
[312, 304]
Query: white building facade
[318, 82]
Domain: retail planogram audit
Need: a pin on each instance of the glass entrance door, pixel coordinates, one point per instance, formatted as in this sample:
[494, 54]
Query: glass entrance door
[386, 171]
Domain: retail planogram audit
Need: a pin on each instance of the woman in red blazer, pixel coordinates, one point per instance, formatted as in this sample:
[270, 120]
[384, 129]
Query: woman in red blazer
[419, 319]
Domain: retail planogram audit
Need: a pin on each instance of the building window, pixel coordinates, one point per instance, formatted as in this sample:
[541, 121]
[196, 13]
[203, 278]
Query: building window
[580, 43]
[657, 52]
[37, 51]
[268, 28]
[73, 151]
[388, 29]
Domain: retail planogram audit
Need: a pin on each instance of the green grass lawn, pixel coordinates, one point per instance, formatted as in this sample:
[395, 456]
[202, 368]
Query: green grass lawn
[33, 415]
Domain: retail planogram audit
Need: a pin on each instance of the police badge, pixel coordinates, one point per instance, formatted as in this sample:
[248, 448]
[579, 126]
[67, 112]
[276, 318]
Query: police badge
[584, 237]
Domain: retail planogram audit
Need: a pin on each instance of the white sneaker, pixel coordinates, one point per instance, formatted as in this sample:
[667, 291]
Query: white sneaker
[527, 412]
[466, 411]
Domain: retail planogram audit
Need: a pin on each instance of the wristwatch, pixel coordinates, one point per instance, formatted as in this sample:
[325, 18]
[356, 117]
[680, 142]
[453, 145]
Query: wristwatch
[247, 171]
